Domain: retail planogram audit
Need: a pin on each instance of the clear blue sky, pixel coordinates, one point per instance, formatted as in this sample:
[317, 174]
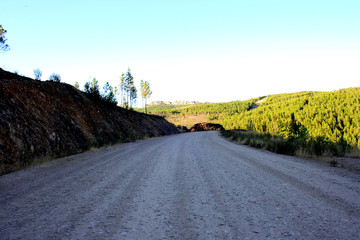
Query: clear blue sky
[189, 50]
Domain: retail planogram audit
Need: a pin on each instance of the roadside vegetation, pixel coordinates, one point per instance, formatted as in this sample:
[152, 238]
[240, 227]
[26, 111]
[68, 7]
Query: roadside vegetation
[126, 91]
[311, 148]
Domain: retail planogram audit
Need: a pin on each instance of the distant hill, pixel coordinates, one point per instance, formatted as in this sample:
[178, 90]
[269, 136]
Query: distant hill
[178, 103]
[330, 116]
[206, 112]
[159, 106]
[49, 119]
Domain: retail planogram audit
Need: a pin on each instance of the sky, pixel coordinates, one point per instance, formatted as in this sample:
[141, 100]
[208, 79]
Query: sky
[198, 50]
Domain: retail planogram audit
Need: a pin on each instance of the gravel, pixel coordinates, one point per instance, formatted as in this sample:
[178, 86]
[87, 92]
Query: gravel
[187, 186]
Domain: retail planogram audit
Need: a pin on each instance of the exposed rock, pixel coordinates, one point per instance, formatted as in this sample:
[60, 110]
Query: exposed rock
[206, 127]
[47, 118]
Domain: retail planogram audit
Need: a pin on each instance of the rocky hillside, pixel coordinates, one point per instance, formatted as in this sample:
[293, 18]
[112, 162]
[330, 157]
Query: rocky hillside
[40, 119]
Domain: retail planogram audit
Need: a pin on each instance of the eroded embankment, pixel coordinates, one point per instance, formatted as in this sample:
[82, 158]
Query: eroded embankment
[40, 119]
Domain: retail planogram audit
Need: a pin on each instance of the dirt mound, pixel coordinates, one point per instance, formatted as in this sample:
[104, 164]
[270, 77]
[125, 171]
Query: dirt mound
[55, 119]
[206, 127]
[182, 128]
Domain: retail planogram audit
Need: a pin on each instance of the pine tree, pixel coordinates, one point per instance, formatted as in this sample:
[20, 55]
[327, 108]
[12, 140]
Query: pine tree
[122, 89]
[133, 96]
[129, 90]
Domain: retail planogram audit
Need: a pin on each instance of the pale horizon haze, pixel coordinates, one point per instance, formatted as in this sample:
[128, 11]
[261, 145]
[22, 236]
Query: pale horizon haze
[214, 51]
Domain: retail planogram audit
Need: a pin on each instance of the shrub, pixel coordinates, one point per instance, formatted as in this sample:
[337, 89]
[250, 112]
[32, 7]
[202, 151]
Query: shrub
[37, 74]
[318, 146]
[55, 77]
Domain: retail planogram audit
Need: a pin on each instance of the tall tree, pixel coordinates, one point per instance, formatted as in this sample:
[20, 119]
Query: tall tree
[129, 89]
[145, 92]
[142, 85]
[122, 89]
[133, 95]
[3, 45]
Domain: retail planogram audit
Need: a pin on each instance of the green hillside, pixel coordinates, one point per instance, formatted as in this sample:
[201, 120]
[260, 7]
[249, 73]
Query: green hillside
[330, 116]
[333, 117]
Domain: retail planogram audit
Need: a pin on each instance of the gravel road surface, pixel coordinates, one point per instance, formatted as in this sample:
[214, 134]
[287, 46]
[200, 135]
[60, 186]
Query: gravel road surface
[186, 186]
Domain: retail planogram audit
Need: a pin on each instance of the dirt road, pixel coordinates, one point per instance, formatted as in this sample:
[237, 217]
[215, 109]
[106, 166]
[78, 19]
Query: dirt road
[187, 186]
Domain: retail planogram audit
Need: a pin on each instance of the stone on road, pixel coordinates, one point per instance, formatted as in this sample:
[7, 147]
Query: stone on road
[188, 186]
